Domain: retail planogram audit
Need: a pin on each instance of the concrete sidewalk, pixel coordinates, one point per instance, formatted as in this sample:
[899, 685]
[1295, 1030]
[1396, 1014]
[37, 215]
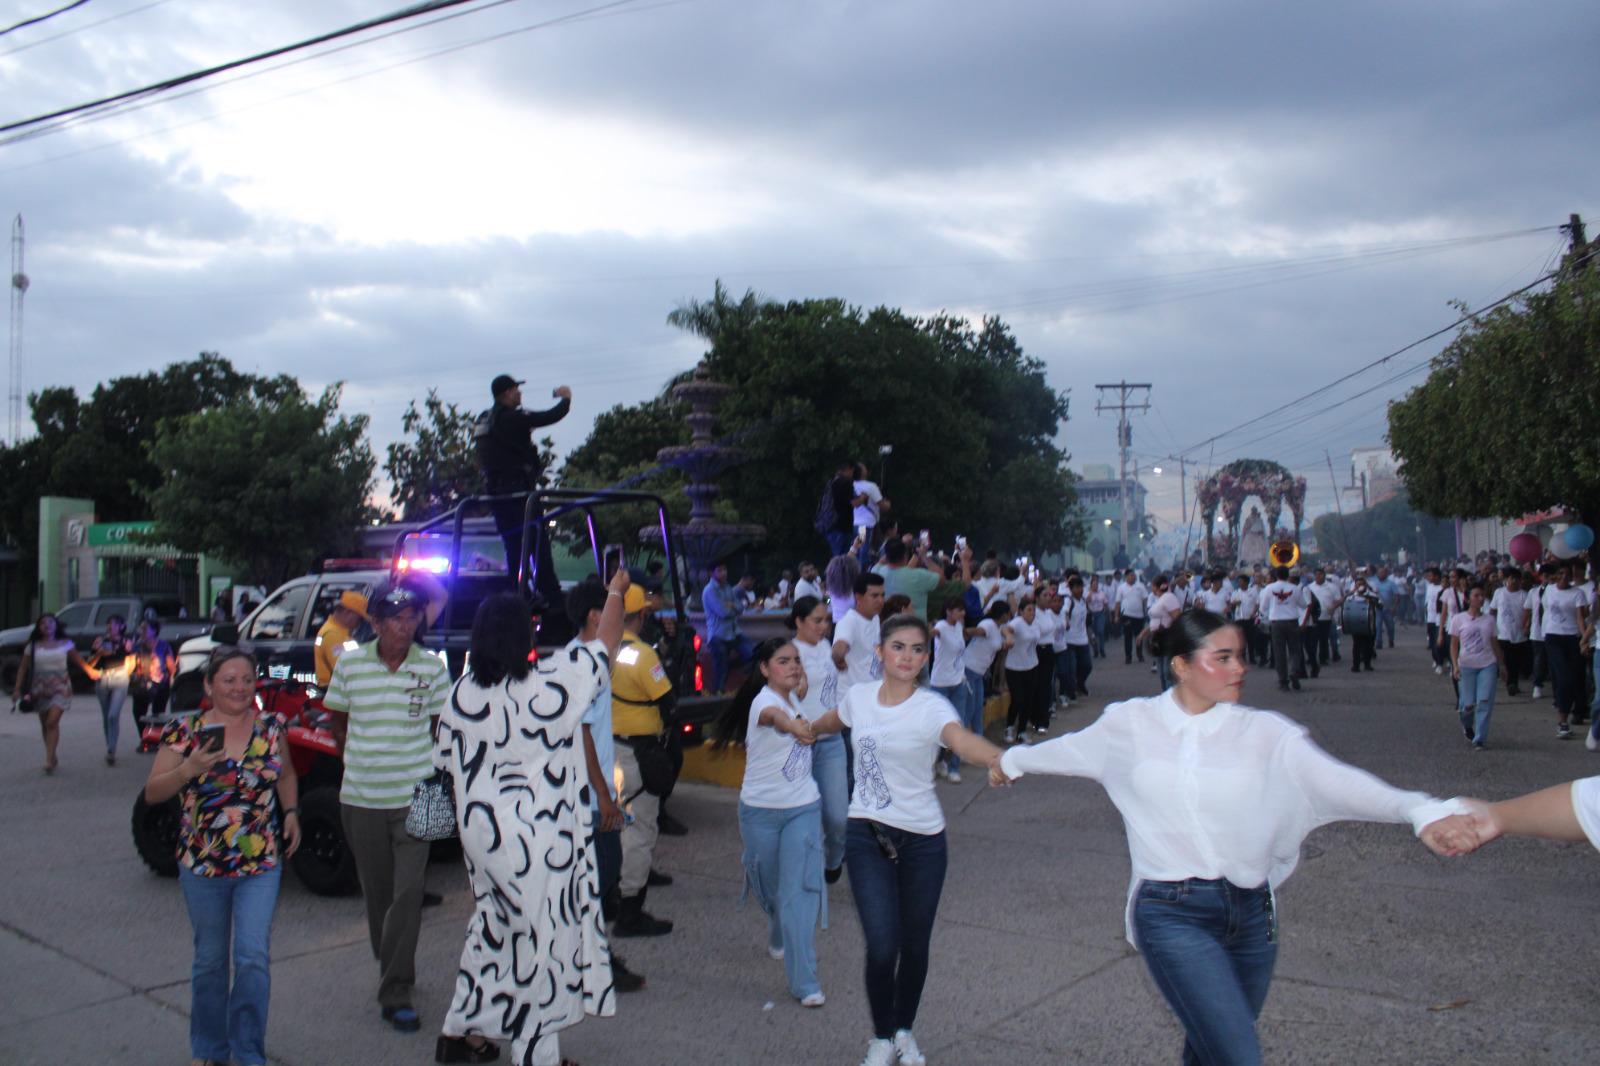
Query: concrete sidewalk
[1389, 955]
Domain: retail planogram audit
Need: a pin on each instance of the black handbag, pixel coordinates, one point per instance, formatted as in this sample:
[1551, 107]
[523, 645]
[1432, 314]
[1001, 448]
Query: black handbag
[432, 815]
[27, 704]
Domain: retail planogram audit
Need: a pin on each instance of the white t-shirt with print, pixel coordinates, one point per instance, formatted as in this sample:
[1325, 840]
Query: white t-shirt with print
[861, 662]
[822, 679]
[1282, 601]
[982, 649]
[777, 767]
[949, 645]
[1508, 607]
[894, 750]
[1561, 611]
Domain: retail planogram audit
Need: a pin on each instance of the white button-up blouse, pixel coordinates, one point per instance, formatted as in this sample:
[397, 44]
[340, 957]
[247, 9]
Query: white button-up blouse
[1231, 793]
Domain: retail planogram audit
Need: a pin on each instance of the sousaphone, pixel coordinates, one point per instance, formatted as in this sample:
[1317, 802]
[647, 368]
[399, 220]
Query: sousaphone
[1283, 553]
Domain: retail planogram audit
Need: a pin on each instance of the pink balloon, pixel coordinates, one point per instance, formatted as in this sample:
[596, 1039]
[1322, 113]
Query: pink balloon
[1524, 547]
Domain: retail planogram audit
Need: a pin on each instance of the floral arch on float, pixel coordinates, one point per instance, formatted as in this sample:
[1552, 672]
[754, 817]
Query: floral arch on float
[1245, 539]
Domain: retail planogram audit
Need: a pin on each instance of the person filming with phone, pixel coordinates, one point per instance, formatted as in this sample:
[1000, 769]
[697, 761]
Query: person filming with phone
[503, 437]
[236, 786]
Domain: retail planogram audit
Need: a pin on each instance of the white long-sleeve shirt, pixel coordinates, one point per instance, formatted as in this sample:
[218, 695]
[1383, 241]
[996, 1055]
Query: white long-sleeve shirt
[1229, 793]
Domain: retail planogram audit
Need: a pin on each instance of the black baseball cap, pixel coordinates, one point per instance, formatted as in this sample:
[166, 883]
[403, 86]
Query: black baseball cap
[502, 383]
[392, 598]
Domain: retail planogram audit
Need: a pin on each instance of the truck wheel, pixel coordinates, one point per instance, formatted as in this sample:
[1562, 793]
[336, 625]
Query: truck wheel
[155, 834]
[324, 863]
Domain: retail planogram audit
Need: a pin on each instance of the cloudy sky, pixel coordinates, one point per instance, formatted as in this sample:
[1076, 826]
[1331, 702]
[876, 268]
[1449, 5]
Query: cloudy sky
[1238, 203]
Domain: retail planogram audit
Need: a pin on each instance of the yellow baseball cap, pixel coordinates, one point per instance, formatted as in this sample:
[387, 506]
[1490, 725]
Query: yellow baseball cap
[355, 602]
[634, 600]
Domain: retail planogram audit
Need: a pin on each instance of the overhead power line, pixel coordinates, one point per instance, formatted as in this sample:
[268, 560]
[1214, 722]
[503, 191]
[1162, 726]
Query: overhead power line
[80, 29]
[403, 14]
[35, 20]
[1314, 393]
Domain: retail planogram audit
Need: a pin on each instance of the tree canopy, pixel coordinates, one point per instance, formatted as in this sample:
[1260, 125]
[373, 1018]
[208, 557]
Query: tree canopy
[96, 448]
[1504, 424]
[1383, 528]
[969, 416]
[270, 484]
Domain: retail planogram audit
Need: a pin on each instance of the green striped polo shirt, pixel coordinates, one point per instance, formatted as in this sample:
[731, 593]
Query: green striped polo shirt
[389, 746]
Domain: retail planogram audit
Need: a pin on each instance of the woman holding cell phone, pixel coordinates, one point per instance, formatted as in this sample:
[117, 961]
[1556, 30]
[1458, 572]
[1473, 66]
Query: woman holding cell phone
[230, 769]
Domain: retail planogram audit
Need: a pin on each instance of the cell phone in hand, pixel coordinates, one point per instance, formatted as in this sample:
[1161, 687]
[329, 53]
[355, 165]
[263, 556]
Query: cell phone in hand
[614, 557]
[211, 737]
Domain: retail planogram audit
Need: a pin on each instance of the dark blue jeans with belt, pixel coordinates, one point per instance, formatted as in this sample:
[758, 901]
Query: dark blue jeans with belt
[1210, 946]
[896, 900]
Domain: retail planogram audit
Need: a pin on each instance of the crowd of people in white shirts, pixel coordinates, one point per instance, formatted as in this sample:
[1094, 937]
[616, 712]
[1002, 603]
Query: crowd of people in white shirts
[911, 695]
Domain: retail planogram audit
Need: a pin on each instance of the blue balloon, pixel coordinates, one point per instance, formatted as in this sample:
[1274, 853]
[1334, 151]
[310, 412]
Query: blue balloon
[1579, 537]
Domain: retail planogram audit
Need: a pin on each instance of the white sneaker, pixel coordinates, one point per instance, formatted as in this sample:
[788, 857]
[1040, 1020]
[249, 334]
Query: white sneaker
[879, 1053]
[1025, 738]
[1591, 741]
[776, 953]
[815, 999]
[1041, 730]
[941, 769]
[1011, 732]
[905, 1045]
[1537, 693]
[1439, 670]
[954, 776]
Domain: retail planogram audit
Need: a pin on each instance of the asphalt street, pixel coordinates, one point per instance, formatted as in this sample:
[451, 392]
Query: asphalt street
[1389, 954]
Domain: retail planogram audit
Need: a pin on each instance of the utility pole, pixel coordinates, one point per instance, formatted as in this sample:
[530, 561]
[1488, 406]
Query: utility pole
[1124, 391]
[19, 287]
[1578, 257]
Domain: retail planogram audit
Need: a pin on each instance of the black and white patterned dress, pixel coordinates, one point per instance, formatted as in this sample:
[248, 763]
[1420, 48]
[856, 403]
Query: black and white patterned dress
[535, 959]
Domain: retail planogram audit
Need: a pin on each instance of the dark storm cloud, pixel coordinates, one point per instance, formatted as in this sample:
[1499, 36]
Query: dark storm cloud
[977, 157]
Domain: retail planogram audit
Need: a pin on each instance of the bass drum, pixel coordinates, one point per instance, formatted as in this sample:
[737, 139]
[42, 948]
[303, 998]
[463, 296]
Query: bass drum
[1359, 617]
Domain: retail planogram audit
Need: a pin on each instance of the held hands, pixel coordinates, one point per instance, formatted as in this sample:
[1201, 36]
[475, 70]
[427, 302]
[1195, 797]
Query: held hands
[1462, 834]
[997, 776]
[800, 729]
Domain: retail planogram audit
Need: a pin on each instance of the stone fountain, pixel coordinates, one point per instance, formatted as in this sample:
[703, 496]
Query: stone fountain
[703, 540]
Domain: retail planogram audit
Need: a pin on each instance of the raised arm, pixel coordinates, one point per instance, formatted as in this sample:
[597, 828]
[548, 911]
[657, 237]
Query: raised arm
[1080, 754]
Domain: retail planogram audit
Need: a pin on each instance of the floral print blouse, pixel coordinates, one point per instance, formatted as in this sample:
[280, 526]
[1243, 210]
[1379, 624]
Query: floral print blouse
[228, 828]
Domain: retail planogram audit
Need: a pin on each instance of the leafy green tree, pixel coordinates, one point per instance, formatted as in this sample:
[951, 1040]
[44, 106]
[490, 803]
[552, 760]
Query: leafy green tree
[96, 448]
[1385, 527]
[968, 415]
[269, 484]
[620, 448]
[436, 464]
[1505, 422]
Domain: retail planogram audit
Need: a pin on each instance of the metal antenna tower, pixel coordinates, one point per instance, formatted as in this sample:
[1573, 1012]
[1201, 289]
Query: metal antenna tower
[19, 288]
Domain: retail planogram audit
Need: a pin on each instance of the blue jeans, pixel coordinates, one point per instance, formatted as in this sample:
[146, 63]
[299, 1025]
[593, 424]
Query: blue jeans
[839, 541]
[1097, 627]
[1386, 623]
[896, 900]
[1476, 699]
[1163, 672]
[1210, 947]
[830, 769]
[783, 865]
[968, 700]
[1594, 706]
[742, 651]
[1073, 667]
[112, 694]
[229, 1023]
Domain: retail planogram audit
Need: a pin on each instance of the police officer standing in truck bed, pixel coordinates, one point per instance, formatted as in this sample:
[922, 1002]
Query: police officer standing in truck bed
[509, 457]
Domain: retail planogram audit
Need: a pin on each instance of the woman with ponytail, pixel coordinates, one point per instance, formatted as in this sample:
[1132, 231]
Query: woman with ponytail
[829, 759]
[780, 811]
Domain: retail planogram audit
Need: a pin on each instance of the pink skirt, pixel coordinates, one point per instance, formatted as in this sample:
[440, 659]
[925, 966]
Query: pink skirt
[51, 690]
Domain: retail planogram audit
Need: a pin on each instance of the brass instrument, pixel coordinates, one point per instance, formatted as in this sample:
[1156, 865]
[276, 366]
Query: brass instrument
[1283, 553]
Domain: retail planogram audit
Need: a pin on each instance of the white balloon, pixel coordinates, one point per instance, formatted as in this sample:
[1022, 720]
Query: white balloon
[1560, 548]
